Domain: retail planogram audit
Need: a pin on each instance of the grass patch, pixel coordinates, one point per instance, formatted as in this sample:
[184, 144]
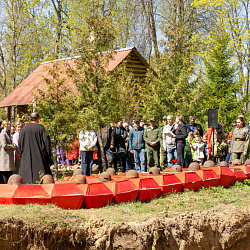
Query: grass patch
[50, 216]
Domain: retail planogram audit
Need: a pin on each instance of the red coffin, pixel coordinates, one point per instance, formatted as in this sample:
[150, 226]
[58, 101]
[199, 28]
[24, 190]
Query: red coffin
[190, 180]
[168, 183]
[33, 193]
[124, 191]
[96, 195]
[239, 175]
[7, 193]
[67, 195]
[209, 178]
[148, 188]
[226, 175]
[245, 169]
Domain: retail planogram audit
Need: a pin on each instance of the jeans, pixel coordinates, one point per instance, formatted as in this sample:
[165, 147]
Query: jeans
[171, 155]
[188, 160]
[87, 162]
[228, 157]
[139, 157]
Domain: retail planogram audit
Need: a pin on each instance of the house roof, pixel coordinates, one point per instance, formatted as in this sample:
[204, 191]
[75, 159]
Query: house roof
[24, 93]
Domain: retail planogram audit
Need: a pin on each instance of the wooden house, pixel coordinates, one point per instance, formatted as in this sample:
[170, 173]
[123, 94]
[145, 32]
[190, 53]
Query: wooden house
[23, 95]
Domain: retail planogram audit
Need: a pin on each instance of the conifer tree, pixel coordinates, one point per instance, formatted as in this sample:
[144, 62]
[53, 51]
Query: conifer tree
[221, 86]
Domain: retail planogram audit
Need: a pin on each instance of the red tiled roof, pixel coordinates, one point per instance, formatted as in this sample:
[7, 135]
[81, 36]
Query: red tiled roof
[23, 94]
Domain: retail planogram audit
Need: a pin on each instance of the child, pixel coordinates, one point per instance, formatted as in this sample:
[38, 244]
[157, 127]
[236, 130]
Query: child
[198, 147]
[196, 133]
[188, 150]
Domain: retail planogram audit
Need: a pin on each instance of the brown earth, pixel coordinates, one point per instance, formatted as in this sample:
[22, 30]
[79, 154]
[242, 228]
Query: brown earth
[222, 227]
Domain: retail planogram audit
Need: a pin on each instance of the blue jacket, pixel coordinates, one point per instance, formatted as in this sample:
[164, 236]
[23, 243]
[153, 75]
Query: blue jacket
[136, 140]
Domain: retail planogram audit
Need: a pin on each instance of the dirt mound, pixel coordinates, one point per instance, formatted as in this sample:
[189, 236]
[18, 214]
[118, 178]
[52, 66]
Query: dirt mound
[222, 227]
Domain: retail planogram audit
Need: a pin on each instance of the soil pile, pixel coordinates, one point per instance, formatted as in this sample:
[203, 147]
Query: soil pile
[222, 227]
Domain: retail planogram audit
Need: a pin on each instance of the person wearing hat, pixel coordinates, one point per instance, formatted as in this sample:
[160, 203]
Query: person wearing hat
[137, 146]
[240, 141]
[152, 136]
[220, 142]
[163, 153]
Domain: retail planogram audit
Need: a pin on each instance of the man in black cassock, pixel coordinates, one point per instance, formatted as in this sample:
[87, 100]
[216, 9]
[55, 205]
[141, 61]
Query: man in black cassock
[34, 144]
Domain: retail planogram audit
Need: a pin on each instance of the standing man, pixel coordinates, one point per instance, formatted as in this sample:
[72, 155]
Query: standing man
[180, 135]
[194, 126]
[152, 138]
[108, 141]
[137, 146]
[169, 141]
[163, 153]
[34, 144]
[120, 135]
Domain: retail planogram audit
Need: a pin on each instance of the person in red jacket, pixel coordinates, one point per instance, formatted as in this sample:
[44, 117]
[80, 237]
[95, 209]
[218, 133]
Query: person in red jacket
[73, 153]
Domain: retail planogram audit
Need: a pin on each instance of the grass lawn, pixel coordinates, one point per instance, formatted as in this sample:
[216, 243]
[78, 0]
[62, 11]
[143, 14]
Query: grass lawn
[172, 205]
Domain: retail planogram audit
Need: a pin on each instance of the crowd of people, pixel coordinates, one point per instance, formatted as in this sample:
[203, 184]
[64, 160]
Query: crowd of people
[26, 150]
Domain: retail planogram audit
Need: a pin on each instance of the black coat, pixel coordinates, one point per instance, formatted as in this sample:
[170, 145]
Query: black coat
[181, 133]
[120, 138]
[34, 144]
[107, 137]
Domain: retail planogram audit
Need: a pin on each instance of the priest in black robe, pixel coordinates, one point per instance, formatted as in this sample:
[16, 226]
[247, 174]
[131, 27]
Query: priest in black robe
[34, 144]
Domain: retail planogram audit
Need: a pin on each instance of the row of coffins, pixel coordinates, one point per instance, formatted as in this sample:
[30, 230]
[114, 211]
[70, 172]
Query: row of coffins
[96, 191]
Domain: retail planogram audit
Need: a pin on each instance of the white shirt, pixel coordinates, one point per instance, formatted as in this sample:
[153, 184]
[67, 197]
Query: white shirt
[87, 139]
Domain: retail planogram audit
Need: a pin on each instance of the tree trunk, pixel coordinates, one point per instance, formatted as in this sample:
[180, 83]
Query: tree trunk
[3, 84]
[55, 160]
[146, 12]
[103, 158]
[58, 10]
[153, 29]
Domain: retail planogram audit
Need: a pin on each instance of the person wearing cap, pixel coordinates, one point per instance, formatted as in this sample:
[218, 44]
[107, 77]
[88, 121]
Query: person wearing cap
[192, 126]
[152, 136]
[169, 142]
[163, 153]
[137, 146]
[240, 141]
[219, 141]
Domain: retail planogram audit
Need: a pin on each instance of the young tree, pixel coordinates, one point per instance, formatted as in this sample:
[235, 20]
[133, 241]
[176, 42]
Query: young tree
[104, 95]
[221, 87]
[57, 106]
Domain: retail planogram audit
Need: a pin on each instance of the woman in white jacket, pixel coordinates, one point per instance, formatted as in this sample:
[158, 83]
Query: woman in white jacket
[87, 140]
[7, 165]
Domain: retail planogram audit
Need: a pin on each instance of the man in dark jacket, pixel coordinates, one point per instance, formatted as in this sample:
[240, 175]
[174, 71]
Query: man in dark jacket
[120, 135]
[137, 146]
[108, 143]
[192, 126]
[180, 135]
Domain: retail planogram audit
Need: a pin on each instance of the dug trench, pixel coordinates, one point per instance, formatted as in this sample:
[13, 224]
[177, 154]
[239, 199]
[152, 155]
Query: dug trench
[221, 227]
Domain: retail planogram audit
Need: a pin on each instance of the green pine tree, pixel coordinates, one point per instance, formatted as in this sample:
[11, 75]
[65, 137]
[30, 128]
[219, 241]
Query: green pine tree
[221, 86]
